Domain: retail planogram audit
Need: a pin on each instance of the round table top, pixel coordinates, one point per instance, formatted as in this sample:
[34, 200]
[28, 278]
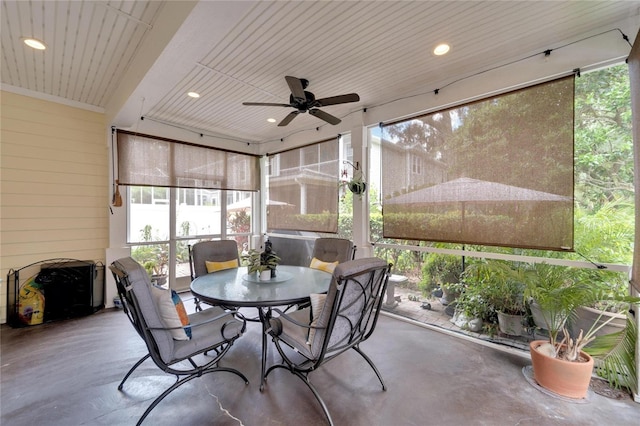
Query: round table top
[234, 287]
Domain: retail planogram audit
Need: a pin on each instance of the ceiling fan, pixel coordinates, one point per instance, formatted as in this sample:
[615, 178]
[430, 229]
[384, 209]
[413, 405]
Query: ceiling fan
[304, 101]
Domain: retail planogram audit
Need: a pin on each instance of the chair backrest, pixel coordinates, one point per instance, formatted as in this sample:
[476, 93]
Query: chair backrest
[134, 289]
[333, 249]
[352, 306]
[292, 251]
[211, 251]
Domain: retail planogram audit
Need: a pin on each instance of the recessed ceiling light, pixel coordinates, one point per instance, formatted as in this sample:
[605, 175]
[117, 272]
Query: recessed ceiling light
[194, 94]
[35, 44]
[271, 120]
[441, 49]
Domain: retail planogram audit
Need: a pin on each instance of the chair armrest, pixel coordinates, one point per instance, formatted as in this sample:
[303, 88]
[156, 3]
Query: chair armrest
[200, 323]
[293, 321]
[216, 318]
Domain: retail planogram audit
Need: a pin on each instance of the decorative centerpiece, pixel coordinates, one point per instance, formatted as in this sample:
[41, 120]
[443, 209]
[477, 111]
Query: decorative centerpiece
[263, 263]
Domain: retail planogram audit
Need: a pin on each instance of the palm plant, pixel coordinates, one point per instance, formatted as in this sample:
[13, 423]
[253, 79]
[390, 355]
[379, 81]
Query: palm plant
[616, 353]
[554, 288]
[559, 291]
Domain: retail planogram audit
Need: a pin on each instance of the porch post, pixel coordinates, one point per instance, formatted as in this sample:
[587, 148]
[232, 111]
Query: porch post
[634, 79]
[359, 143]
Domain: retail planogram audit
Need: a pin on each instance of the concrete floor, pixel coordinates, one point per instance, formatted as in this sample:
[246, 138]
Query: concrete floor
[67, 373]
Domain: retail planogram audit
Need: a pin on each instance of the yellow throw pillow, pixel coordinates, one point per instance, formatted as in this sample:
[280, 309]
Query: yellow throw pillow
[219, 266]
[323, 266]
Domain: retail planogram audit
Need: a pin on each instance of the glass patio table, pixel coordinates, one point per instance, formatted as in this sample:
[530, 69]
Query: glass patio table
[235, 287]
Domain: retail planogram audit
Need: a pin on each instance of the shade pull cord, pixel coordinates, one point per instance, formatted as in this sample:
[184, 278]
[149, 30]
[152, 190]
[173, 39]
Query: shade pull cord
[597, 265]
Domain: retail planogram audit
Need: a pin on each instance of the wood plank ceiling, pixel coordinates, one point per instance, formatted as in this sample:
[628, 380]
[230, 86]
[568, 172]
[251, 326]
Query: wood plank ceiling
[90, 46]
[232, 52]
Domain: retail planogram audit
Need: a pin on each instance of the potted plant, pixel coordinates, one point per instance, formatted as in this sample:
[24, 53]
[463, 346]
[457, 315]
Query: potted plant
[262, 262]
[443, 271]
[502, 287]
[553, 294]
[562, 366]
[472, 311]
[357, 184]
[611, 289]
[157, 266]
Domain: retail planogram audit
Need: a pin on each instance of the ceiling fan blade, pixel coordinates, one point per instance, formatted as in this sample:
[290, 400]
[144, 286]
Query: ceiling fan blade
[288, 118]
[334, 100]
[325, 116]
[296, 87]
[264, 104]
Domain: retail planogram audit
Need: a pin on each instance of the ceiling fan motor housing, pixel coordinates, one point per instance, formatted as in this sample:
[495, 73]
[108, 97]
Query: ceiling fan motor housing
[303, 104]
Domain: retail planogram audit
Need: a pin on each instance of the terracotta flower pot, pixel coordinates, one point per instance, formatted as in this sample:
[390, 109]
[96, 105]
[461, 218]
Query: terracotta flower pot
[570, 379]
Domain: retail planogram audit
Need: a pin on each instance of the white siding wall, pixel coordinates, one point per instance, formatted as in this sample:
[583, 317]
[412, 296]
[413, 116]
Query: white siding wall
[54, 200]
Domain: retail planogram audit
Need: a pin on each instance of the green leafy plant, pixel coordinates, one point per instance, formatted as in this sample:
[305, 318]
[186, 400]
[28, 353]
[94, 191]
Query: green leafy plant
[472, 304]
[558, 293]
[357, 184]
[441, 270]
[258, 261]
[154, 258]
[616, 353]
[499, 284]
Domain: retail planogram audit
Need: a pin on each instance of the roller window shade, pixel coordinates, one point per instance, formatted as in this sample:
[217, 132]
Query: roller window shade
[498, 171]
[303, 188]
[145, 160]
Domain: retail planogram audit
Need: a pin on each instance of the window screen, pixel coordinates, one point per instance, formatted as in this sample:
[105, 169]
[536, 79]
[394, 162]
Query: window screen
[303, 188]
[494, 172]
[145, 160]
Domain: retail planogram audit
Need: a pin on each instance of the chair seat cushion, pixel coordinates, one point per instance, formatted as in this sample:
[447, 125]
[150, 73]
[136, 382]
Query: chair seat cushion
[219, 266]
[207, 334]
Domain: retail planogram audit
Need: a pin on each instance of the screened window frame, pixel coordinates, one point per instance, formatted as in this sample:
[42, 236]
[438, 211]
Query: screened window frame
[293, 216]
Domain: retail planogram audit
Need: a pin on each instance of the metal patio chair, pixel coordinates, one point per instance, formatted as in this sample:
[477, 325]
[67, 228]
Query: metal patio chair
[213, 331]
[327, 253]
[335, 323]
[217, 251]
[333, 249]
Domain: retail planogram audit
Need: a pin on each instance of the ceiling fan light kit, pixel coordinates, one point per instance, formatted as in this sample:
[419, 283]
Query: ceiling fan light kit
[304, 101]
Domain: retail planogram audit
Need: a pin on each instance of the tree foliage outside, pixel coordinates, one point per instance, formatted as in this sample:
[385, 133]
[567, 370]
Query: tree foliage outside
[603, 139]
